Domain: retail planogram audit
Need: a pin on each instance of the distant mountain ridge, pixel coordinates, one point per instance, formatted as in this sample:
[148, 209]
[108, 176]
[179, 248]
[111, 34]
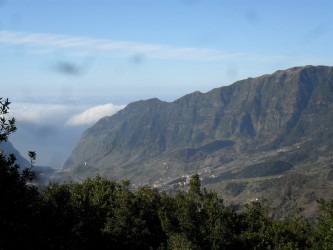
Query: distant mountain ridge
[259, 127]
[8, 148]
[42, 174]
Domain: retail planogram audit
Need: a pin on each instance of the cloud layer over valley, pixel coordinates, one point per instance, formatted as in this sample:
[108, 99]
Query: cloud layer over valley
[53, 128]
[66, 114]
[93, 114]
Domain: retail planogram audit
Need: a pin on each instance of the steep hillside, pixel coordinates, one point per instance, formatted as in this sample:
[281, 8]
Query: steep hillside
[42, 174]
[249, 140]
[8, 148]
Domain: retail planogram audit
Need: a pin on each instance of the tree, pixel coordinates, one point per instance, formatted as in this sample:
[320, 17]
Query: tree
[6, 126]
[181, 220]
[260, 231]
[324, 232]
[220, 226]
[149, 228]
[198, 219]
[94, 201]
[57, 218]
[18, 199]
[195, 185]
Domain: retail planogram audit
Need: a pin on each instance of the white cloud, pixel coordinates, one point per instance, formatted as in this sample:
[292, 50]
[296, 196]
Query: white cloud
[41, 113]
[61, 114]
[93, 114]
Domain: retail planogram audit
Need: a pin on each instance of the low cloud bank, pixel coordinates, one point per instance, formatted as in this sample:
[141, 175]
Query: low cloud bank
[41, 113]
[61, 114]
[93, 114]
[53, 129]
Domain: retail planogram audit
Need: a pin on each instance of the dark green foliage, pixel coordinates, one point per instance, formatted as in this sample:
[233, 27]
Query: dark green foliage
[102, 214]
[58, 218]
[198, 220]
[264, 169]
[235, 188]
[259, 231]
[195, 186]
[324, 230]
[32, 157]
[18, 200]
[134, 221]
[258, 170]
[99, 213]
[6, 126]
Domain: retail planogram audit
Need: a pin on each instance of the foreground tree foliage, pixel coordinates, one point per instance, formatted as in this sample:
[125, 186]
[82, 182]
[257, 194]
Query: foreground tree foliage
[324, 230]
[103, 214]
[18, 200]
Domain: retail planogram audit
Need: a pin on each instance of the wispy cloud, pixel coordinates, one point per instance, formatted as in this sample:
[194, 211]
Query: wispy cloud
[44, 42]
[93, 114]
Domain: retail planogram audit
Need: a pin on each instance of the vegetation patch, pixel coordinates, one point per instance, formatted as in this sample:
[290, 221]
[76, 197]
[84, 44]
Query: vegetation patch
[235, 188]
[264, 169]
[216, 145]
[257, 170]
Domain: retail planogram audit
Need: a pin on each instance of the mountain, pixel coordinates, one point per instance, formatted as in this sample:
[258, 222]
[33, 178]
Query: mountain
[8, 148]
[268, 137]
[42, 174]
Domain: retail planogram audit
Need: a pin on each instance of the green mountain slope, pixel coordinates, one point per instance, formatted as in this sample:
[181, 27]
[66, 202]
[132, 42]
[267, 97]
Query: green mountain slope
[249, 140]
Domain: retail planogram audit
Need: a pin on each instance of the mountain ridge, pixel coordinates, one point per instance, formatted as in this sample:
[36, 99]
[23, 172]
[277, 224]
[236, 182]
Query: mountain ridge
[281, 119]
[8, 148]
[243, 127]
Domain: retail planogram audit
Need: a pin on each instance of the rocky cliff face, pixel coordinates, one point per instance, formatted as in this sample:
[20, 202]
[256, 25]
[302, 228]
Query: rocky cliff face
[265, 126]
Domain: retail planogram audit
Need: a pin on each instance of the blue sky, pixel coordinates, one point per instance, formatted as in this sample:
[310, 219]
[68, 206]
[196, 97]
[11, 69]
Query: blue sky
[156, 48]
[64, 64]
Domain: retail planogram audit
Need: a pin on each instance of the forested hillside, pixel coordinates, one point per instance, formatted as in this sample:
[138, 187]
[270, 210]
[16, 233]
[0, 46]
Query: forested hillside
[103, 214]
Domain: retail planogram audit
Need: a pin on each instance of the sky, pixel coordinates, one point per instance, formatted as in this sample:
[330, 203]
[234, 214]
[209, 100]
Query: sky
[155, 48]
[70, 62]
